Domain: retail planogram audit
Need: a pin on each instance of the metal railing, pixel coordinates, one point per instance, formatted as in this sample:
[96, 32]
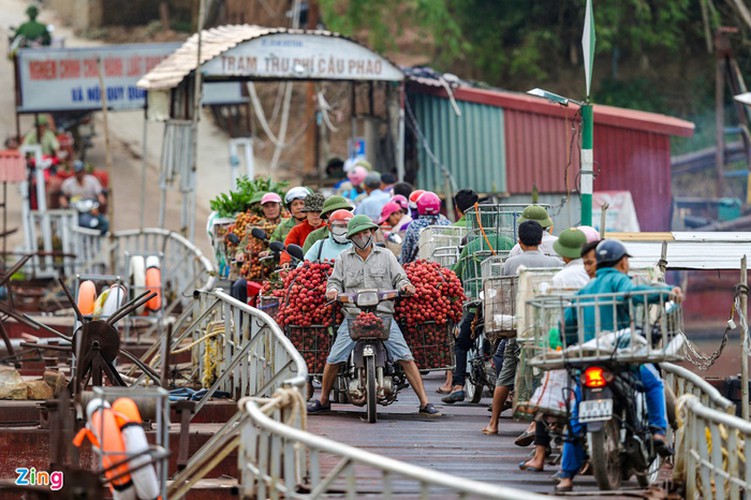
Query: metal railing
[682, 381]
[257, 360]
[278, 459]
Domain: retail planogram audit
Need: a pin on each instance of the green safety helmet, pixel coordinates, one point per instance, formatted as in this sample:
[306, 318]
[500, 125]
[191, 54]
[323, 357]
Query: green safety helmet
[569, 243]
[359, 223]
[32, 11]
[537, 214]
[334, 203]
[257, 198]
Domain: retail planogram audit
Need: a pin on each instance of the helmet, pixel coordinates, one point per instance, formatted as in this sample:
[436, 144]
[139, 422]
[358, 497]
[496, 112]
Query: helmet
[340, 215]
[428, 203]
[537, 214]
[414, 195]
[570, 242]
[388, 210]
[296, 193]
[590, 232]
[32, 11]
[271, 198]
[610, 252]
[359, 223]
[335, 202]
[357, 175]
[400, 200]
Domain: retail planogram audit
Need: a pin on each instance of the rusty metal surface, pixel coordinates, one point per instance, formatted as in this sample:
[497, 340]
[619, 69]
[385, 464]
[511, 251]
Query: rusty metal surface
[452, 443]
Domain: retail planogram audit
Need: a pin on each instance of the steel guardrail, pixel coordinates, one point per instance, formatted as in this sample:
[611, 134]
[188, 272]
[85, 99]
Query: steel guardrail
[683, 381]
[279, 459]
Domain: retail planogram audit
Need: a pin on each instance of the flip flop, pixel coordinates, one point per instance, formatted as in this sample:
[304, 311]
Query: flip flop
[562, 489]
[442, 391]
[488, 433]
[524, 466]
[525, 439]
[315, 406]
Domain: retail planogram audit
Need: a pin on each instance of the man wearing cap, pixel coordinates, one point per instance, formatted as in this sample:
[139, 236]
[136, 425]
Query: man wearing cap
[364, 265]
[612, 278]
[49, 142]
[540, 215]
[376, 198]
[569, 246]
[271, 206]
[32, 30]
[294, 200]
[298, 235]
[331, 204]
[464, 199]
[83, 186]
[530, 237]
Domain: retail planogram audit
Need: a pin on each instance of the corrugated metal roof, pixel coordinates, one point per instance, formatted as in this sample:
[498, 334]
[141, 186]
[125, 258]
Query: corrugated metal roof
[471, 145]
[214, 42]
[695, 253]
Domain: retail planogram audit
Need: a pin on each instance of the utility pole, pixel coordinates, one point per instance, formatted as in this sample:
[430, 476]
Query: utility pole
[587, 153]
[311, 133]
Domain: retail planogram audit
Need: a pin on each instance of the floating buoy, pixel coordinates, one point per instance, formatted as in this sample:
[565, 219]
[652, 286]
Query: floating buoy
[154, 282]
[86, 297]
[144, 478]
[99, 303]
[104, 433]
[113, 301]
[137, 278]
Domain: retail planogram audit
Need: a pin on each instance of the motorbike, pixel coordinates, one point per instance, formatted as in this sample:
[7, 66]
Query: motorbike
[88, 212]
[619, 439]
[369, 378]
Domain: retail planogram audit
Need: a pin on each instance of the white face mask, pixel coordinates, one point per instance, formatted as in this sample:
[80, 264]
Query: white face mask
[362, 240]
[339, 233]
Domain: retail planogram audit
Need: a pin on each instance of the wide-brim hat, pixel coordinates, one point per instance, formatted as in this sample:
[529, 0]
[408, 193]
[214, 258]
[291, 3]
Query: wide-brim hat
[537, 214]
[334, 203]
[569, 243]
[359, 223]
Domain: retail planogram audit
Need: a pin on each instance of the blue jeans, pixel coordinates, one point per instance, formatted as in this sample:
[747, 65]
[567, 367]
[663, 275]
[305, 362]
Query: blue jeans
[462, 346]
[654, 392]
[396, 346]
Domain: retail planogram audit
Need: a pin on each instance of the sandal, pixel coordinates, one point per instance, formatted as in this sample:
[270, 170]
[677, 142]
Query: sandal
[430, 410]
[524, 466]
[441, 390]
[315, 406]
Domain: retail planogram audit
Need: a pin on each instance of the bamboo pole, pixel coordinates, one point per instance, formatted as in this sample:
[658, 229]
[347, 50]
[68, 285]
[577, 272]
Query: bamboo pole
[107, 152]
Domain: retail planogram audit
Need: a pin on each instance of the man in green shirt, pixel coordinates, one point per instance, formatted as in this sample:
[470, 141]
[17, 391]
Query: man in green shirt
[464, 199]
[49, 142]
[331, 205]
[32, 30]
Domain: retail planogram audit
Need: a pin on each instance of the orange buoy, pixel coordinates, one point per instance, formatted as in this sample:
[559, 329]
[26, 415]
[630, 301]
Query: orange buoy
[104, 433]
[136, 444]
[154, 283]
[86, 297]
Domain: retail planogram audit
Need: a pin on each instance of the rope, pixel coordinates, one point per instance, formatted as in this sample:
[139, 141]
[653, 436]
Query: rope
[482, 229]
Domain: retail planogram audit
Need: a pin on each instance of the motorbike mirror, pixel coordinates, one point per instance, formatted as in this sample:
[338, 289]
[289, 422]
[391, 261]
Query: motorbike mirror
[381, 244]
[276, 246]
[233, 238]
[259, 233]
[394, 238]
[295, 251]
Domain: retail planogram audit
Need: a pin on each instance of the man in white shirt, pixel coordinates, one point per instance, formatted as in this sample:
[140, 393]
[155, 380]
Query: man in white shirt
[569, 246]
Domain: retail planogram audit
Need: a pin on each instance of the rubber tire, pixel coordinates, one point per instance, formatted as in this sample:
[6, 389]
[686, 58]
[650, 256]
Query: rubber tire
[474, 391]
[606, 467]
[370, 388]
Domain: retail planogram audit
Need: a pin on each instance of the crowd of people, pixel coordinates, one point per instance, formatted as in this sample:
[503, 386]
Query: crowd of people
[369, 208]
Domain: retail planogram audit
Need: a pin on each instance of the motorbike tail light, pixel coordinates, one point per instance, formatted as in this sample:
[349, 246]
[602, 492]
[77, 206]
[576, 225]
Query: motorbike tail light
[594, 377]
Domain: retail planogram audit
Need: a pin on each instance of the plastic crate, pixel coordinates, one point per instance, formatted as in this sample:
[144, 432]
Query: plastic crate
[429, 353]
[649, 329]
[379, 330]
[499, 298]
[313, 343]
[441, 244]
[500, 218]
[539, 391]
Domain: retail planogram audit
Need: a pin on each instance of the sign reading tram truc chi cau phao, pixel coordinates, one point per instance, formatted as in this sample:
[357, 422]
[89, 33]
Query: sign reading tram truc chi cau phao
[297, 56]
[68, 79]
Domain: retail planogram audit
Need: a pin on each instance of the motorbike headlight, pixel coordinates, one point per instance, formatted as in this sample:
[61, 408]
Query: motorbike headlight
[367, 299]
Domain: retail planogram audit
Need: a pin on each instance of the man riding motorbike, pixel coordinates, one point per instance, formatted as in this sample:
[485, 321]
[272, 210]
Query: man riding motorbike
[337, 241]
[33, 32]
[294, 199]
[362, 266]
[271, 206]
[612, 277]
[50, 144]
[80, 187]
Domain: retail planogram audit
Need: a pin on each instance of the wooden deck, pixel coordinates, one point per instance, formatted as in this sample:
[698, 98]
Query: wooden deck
[451, 443]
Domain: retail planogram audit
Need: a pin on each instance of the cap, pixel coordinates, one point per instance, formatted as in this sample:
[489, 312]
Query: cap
[359, 223]
[313, 203]
[569, 243]
[335, 202]
[271, 198]
[537, 214]
[373, 180]
[387, 210]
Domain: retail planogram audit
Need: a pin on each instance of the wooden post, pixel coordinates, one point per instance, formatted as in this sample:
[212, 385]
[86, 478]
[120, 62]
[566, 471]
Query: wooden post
[744, 357]
[107, 152]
